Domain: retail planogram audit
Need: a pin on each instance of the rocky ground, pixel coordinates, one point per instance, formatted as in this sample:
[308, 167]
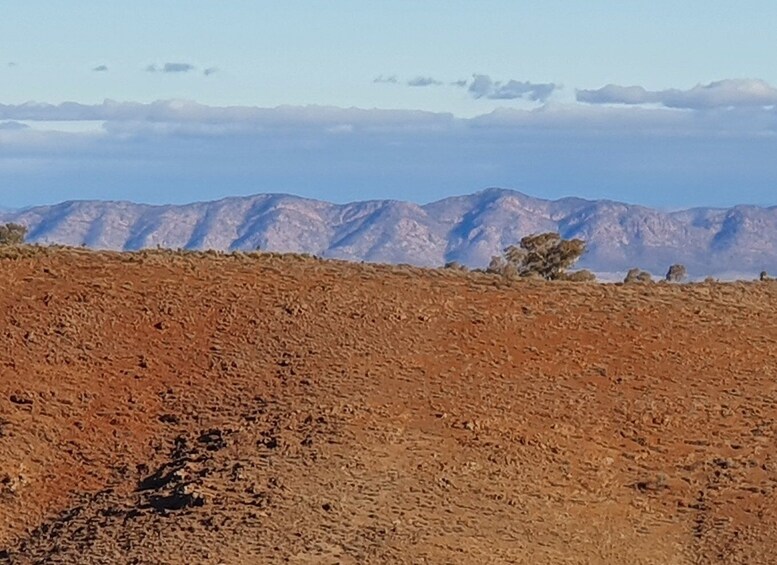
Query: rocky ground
[199, 408]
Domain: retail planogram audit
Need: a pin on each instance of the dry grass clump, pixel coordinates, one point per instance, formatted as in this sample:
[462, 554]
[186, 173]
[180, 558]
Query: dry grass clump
[456, 266]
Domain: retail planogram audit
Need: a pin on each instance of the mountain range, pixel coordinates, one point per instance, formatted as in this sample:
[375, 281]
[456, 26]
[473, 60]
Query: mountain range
[738, 241]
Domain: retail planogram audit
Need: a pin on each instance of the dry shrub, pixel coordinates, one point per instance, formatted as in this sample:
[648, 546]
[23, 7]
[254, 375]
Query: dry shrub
[583, 275]
[637, 276]
[676, 273]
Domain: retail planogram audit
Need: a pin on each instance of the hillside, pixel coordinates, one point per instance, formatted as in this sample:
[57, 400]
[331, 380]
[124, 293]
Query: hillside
[469, 229]
[205, 408]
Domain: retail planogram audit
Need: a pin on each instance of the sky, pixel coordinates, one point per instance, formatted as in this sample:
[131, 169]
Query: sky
[648, 102]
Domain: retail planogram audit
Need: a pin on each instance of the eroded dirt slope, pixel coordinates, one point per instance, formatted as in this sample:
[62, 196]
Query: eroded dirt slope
[229, 409]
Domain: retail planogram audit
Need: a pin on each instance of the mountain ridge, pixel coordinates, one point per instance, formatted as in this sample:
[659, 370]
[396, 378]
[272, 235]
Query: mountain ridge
[466, 228]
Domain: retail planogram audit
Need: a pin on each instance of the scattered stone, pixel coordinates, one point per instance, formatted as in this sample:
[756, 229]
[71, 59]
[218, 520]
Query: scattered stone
[169, 419]
[213, 439]
[21, 398]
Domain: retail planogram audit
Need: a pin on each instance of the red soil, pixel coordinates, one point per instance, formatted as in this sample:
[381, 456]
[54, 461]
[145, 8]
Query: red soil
[161, 408]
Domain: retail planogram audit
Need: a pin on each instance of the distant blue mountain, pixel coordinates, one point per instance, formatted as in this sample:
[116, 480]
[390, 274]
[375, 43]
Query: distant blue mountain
[469, 229]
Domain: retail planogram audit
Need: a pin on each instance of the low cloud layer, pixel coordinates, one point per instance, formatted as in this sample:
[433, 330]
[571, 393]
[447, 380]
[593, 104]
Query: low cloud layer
[649, 155]
[179, 113]
[582, 119]
[730, 93]
[171, 68]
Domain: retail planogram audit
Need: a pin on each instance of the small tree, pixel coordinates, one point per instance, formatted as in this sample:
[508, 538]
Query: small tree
[764, 276]
[12, 234]
[676, 273]
[544, 255]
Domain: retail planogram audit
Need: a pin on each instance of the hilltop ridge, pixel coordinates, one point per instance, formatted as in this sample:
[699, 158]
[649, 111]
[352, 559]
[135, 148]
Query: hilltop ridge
[469, 229]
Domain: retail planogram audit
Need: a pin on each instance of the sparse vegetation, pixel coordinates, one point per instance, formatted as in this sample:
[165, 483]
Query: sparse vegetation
[12, 234]
[545, 256]
[676, 273]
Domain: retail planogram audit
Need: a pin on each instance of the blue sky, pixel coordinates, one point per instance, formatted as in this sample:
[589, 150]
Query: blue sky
[647, 102]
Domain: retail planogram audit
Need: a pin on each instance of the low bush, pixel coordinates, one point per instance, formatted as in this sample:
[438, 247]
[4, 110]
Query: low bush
[676, 273]
[637, 276]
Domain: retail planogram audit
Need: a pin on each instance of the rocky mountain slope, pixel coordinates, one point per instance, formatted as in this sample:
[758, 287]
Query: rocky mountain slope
[189, 408]
[469, 229]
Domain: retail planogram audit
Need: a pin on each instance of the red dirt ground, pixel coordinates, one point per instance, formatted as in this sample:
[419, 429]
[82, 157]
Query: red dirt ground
[198, 408]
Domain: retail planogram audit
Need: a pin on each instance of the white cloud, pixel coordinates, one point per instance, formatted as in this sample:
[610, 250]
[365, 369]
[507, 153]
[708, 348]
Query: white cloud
[246, 117]
[482, 86]
[171, 68]
[730, 93]
[423, 81]
[390, 79]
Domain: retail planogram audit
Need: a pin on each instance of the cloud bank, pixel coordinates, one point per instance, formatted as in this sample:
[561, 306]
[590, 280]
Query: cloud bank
[11, 125]
[730, 93]
[172, 148]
